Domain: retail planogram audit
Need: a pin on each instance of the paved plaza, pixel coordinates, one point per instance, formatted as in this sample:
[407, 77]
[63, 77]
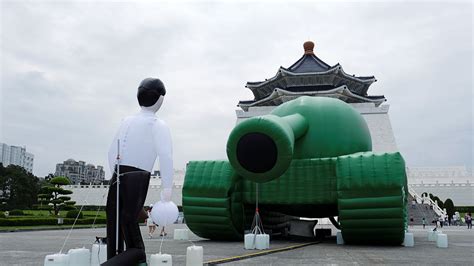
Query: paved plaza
[30, 248]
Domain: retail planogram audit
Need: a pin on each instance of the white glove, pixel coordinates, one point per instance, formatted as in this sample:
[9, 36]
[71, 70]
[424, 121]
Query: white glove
[166, 194]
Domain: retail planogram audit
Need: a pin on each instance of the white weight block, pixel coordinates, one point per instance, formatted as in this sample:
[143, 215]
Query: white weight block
[262, 241]
[194, 256]
[181, 234]
[249, 241]
[437, 234]
[432, 235]
[161, 260]
[442, 241]
[339, 239]
[409, 240]
[98, 254]
[56, 260]
[79, 256]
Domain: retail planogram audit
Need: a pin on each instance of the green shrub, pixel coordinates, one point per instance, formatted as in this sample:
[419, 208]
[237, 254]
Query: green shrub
[2, 215]
[17, 213]
[69, 208]
[73, 214]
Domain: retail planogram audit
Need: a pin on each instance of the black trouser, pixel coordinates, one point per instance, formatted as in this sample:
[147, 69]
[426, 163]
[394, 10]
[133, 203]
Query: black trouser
[133, 189]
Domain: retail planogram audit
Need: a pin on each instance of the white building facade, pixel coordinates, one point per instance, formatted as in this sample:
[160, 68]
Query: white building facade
[454, 182]
[96, 195]
[16, 155]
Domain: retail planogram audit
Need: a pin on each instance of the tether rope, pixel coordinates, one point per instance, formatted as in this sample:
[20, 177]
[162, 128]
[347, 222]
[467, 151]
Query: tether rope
[257, 254]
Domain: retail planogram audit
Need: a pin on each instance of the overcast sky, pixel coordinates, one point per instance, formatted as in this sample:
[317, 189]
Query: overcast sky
[69, 71]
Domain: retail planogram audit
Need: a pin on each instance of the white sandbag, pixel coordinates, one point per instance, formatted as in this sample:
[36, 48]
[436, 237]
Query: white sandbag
[339, 239]
[194, 256]
[56, 260]
[249, 241]
[442, 241]
[262, 241]
[161, 260]
[409, 240]
[98, 254]
[79, 256]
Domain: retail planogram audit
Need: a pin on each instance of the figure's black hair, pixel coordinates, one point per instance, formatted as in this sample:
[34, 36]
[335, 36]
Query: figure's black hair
[149, 91]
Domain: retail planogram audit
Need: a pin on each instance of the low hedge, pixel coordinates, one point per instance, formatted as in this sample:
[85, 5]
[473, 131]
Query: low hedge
[73, 214]
[17, 213]
[47, 221]
[92, 207]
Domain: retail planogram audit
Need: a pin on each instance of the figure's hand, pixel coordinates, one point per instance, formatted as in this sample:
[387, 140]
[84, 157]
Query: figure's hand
[166, 194]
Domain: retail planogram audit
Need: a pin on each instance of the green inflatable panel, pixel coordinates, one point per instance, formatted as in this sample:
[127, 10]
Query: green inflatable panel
[212, 203]
[308, 186]
[311, 157]
[372, 197]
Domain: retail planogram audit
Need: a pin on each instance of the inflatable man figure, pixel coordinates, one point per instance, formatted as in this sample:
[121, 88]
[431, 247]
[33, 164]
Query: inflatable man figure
[139, 140]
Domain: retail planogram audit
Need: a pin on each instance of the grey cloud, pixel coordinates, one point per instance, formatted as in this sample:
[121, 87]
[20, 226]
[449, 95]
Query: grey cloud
[70, 70]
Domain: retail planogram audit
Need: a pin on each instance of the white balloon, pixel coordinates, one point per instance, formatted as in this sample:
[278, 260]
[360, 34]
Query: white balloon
[164, 213]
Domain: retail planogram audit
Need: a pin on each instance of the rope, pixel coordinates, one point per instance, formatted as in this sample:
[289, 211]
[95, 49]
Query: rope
[257, 224]
[161, 244]
[75, 220]
[257, 254]
[85, 201]
[80, 210]
[98, 209]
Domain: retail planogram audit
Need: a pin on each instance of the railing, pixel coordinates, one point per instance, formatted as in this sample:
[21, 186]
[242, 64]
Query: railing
[436, 208]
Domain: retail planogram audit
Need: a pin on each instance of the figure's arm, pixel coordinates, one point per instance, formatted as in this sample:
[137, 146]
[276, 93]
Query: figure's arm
[164, 149]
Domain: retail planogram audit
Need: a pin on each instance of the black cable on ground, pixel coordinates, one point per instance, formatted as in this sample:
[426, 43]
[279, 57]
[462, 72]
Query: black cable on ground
[257, 254]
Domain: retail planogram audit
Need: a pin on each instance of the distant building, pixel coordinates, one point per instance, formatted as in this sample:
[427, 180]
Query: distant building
[80, 172]
[17, 156]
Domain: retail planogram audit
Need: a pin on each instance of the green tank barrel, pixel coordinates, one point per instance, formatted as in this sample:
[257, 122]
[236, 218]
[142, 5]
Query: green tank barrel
[261, 148]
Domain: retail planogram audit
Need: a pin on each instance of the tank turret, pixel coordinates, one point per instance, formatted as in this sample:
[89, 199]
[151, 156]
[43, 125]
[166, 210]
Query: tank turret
[261, 148]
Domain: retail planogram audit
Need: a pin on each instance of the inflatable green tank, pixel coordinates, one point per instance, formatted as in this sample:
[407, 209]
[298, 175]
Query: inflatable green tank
[311, 157]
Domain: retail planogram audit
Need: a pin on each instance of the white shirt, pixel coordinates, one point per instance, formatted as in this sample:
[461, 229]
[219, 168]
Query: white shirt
[143, 137]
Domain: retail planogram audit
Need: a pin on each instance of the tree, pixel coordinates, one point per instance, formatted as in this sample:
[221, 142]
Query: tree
[52, 196]
[449, 206]
[18, 188]
[49, 177]
[439, 202]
